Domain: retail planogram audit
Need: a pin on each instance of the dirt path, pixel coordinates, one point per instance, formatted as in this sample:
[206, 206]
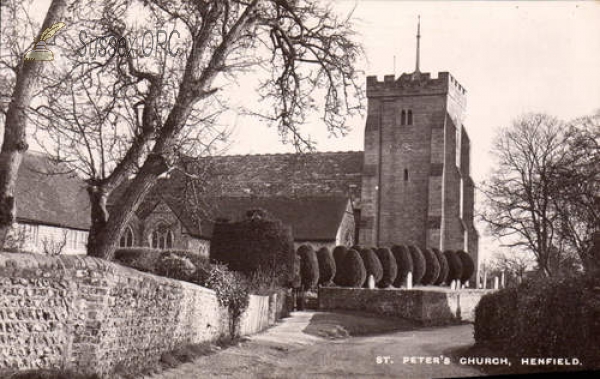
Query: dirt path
[285, 351]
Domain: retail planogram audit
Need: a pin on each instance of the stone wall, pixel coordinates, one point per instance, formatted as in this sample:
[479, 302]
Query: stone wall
[87, 314]
[426, 305]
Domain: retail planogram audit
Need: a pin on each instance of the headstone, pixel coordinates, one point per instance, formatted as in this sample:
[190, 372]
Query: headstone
[409, 280]
[502, 280]
[371, 282]
[484, 279]
[495, 282]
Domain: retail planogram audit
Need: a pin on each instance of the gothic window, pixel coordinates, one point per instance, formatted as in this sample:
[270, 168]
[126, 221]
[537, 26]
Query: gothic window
[405, 175]
[126, 238]
[458, 145]
[162, 237]
[403, 118]
[410, 117]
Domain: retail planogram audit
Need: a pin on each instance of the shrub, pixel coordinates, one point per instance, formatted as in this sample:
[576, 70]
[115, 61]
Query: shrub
[432, 267]
[468, 266]
[454, 266]
[232, 292]
[257, 243]
[309, 267]
[139, 258]
[372, 264]
[418, 264]
[390, 268]
[50, 374]
[353, 270]
[548, 317]
[404, 263]
[183, 265]
[339, 252]
[443, 276]
[327, 267]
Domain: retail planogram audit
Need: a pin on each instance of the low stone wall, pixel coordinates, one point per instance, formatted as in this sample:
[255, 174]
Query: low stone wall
[91, 315]
[426, 305]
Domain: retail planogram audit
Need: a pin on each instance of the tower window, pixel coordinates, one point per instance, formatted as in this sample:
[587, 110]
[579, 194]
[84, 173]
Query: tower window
[410, 117]
[405, 175]
[403, 118]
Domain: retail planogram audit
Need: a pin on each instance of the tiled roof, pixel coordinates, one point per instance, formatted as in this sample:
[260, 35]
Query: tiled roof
[45, 194]
[311, 218]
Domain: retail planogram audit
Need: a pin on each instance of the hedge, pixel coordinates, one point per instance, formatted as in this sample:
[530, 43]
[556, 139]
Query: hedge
[549, 317]
[353, 272]
[390, 268]
[309, 267]
[432, 267]
[418, 264]
[443, 276]
[404, 263]
[257, 243]
[372, 264]
[339, 252]
[454, 266]
[468, 266]
[327, 267]
[139, 258]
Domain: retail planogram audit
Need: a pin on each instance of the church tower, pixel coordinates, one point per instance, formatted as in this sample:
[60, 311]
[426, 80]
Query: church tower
[416, 185]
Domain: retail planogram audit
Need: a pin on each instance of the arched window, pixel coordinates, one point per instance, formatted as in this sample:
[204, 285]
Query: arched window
[405, 175]
[403, 118]
[126, 238]
[410, 117]
[161, 237]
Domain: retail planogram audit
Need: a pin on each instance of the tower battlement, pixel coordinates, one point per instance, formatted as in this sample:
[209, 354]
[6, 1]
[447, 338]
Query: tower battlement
[415, 83]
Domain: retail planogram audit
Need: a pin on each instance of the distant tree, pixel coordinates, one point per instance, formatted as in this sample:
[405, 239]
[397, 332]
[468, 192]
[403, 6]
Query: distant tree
[372, 264]
[327, 267]
[454, 266]
[432, 267]
[443, 276]
[468, 266]
[309, 268]
[339, 252]
[390, 268]
[418, 261]
[353, 270]
[404, 262]
[521, 192]
[514, 265]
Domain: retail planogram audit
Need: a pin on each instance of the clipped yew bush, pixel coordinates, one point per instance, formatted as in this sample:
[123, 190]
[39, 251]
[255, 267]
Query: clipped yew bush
[390, 268]
[327, 267]
[418, 263]
[468, 266]
[352, 270]
[432, 267]
[454, 266]
[372, 264]
[443, 276]
[256, 243]
[339, 252]
[309, 267]
[404, 263]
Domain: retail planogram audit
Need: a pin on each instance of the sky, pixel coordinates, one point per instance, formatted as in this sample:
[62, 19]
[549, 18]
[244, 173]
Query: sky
[512, 57]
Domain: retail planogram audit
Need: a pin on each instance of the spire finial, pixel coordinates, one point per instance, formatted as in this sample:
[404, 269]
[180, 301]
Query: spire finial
[418, 44]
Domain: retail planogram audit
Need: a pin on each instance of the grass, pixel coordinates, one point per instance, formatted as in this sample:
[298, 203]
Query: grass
[352, 324]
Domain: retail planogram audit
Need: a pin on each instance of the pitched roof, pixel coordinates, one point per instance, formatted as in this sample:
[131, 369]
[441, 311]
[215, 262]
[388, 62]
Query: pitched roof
[311, 218]
[287, 175]
[45, 194]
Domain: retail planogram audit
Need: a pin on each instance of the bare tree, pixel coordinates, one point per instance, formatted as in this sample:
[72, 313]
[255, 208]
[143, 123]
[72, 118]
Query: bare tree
[302, 47]
[18, 87]
[521, 192]
[513, 264]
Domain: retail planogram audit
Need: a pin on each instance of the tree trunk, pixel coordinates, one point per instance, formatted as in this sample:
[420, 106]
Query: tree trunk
[104, 238]
[15, 138]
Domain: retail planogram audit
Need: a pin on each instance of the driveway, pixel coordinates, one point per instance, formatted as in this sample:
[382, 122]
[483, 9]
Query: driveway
[287, 351]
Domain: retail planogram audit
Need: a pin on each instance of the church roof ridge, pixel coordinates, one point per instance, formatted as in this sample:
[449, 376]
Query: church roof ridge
[290, 153]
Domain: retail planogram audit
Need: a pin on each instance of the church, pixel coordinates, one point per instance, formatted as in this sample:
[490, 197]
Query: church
[410, 185]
